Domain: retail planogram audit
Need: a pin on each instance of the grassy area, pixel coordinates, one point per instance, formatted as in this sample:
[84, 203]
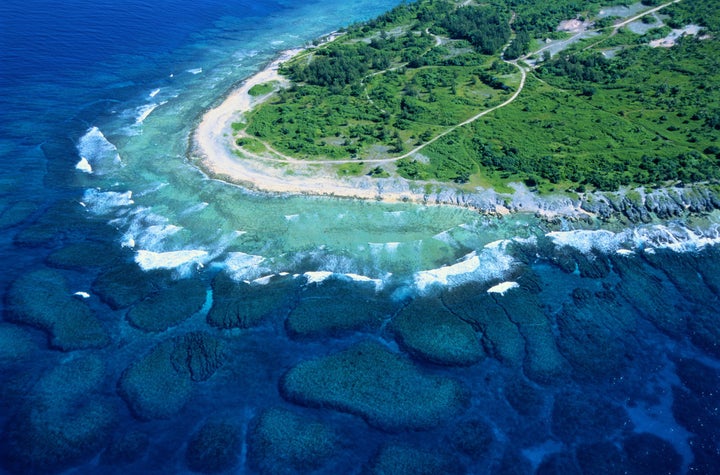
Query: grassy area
[262, 89]
[251, 144]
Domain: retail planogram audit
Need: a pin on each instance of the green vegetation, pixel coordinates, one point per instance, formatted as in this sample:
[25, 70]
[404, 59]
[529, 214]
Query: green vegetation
[637, 116]
[262, 89]
[251, 144]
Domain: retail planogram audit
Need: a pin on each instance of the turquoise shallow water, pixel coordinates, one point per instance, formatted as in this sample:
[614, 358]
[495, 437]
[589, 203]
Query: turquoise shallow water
[156, 321]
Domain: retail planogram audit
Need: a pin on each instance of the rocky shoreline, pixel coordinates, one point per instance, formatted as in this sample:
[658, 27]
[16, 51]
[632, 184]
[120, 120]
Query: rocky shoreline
[631, 205]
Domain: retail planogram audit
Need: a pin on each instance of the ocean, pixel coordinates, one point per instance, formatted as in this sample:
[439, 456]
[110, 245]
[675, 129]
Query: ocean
[156, 320]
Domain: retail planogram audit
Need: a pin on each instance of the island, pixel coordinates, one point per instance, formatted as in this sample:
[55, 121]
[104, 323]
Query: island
[581, 109]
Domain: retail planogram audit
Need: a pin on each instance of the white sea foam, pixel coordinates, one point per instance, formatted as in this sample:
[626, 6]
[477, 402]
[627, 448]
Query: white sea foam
[676, 237]
[84, 295]
[587, 240]
[101, 155]
[241, 266]
[145, 229]
[292, 217]
[195, 209]
[143, 112]
[363, 278]
[154, 92]
[502, 287]
[148, 260]
[127, 241]
[445, 237]
[105, 202]
[317, 276]
[492, 262]
[263, 280]
[390, 247]
[195, 70]
[83, 165]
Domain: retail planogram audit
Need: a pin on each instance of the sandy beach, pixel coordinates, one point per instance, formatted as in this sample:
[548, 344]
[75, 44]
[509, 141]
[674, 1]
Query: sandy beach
[213, 150]
[212, 145]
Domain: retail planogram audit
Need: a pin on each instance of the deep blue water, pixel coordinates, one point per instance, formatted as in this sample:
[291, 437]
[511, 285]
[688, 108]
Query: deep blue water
[307, 335]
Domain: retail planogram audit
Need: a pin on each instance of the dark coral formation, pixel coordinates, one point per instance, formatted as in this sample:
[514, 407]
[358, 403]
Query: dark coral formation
[159, 384]
[168, 307]
[515, 327]
[65, 420]
[430, 332]
[336, 307]
[585, 417]
[214, 448]
[404, 460]
[281, 441]
[42, 299]
[125, 448]
[595, 331]
[126, 284]
[245, 305]
[384, 388]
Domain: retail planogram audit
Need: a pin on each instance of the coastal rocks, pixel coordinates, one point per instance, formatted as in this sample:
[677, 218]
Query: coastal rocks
[159, 384]
[583, 417]
[429, 332]
[641, 205]
[127, 284]
[214, 448]
[281, 441]
[404, 460]
[245, 305]
[701, 198]
[595, 334]
[64, 421]
[41, 299]
[665, 204]
[168, 307]
[631, 204]
[597, 204]
[383, 388]
[336, 307]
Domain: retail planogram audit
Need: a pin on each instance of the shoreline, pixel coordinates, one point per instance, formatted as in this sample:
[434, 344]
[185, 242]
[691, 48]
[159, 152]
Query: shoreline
[210, 149]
